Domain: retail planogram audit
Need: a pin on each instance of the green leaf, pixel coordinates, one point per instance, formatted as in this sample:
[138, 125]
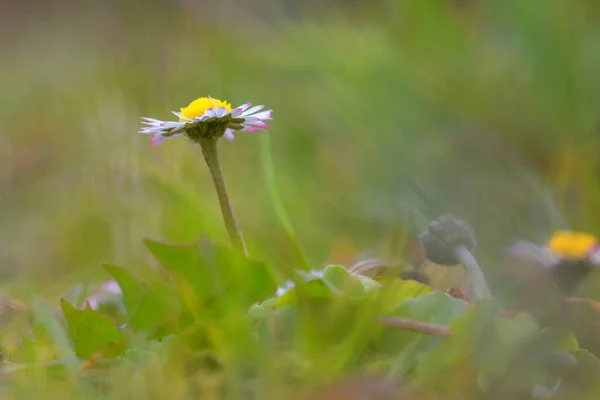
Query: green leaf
[148, 306]
[184, 261]
[513, 331]
[395, 290]
[314, 289]
[586, 374]
[158, 306]
[467, 332]
[132, 291]
[436, 307]
[259, 311]
[209, 272]
[344, 281]
[370, 285]
[506, 338]
[564, 340]
[91, 332]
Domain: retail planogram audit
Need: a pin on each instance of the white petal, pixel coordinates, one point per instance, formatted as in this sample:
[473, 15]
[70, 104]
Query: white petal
[147, 120]
[181, 116]
[252, 119]
[210, 112]
[257, 125]
[265, 115]
[229, 134]
[252, 110]
[236, 112]
[172, 124]
[221, 111]
[200, 118]
[178, 128]
[243, 106]
[159, 138]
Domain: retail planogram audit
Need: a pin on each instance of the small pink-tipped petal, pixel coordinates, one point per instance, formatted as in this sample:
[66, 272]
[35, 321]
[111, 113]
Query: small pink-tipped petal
[253, 118]
[229, 134]
[253, 110]
[249, 129]
[264, 115]
[160, 137]
[200, 118]
[210, 112]
[236, 112]
[156, 140]
[257, 124]
[243, 107]
[219, 112]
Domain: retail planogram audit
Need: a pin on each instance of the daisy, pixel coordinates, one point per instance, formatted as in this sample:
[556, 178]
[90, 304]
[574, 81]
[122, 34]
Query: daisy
[207, 118]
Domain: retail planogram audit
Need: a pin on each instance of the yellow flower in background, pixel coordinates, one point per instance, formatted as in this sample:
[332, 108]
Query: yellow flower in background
[569, 244]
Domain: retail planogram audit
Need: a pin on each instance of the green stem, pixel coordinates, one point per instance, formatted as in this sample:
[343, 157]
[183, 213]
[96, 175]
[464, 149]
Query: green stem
[209, 150]
[481, 290]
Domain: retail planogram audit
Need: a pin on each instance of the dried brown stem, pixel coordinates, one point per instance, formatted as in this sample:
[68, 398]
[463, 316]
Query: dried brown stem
[417, 326]
[365, 266]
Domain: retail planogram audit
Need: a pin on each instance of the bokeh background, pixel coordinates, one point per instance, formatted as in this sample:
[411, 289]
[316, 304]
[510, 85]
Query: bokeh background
[388, 113]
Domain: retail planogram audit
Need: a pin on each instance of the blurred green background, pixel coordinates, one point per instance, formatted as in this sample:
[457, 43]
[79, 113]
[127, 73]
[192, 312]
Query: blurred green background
[387, 114]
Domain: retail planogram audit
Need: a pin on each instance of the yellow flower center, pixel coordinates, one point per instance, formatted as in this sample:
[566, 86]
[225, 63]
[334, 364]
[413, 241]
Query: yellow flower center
[571, 244]
[200, 105]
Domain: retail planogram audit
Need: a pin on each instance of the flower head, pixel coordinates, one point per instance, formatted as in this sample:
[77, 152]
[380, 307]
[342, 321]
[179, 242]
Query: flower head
[572, 245]
[206, 118]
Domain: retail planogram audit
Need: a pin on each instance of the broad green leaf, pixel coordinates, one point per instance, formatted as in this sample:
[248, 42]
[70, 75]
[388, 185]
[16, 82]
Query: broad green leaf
[259, 311]
[435, 307]
[315, 289]
[506, 338]
[132, 291]
[564, 340]
[370, 285]
[468, 331]
[185, 262]
[157, 306]
[513, 331]
[342, 280]
[586, 373]
[148, 306]
[395, 290]
[91, 332]
[216, 273]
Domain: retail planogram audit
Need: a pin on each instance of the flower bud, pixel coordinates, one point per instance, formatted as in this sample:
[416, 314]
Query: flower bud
[443, 236]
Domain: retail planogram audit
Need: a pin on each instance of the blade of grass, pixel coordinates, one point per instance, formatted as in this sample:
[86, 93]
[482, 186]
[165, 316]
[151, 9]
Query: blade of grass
[271, 181]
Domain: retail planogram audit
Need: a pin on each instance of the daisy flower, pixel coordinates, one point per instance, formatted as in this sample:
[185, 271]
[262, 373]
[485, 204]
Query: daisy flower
[207, 118]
